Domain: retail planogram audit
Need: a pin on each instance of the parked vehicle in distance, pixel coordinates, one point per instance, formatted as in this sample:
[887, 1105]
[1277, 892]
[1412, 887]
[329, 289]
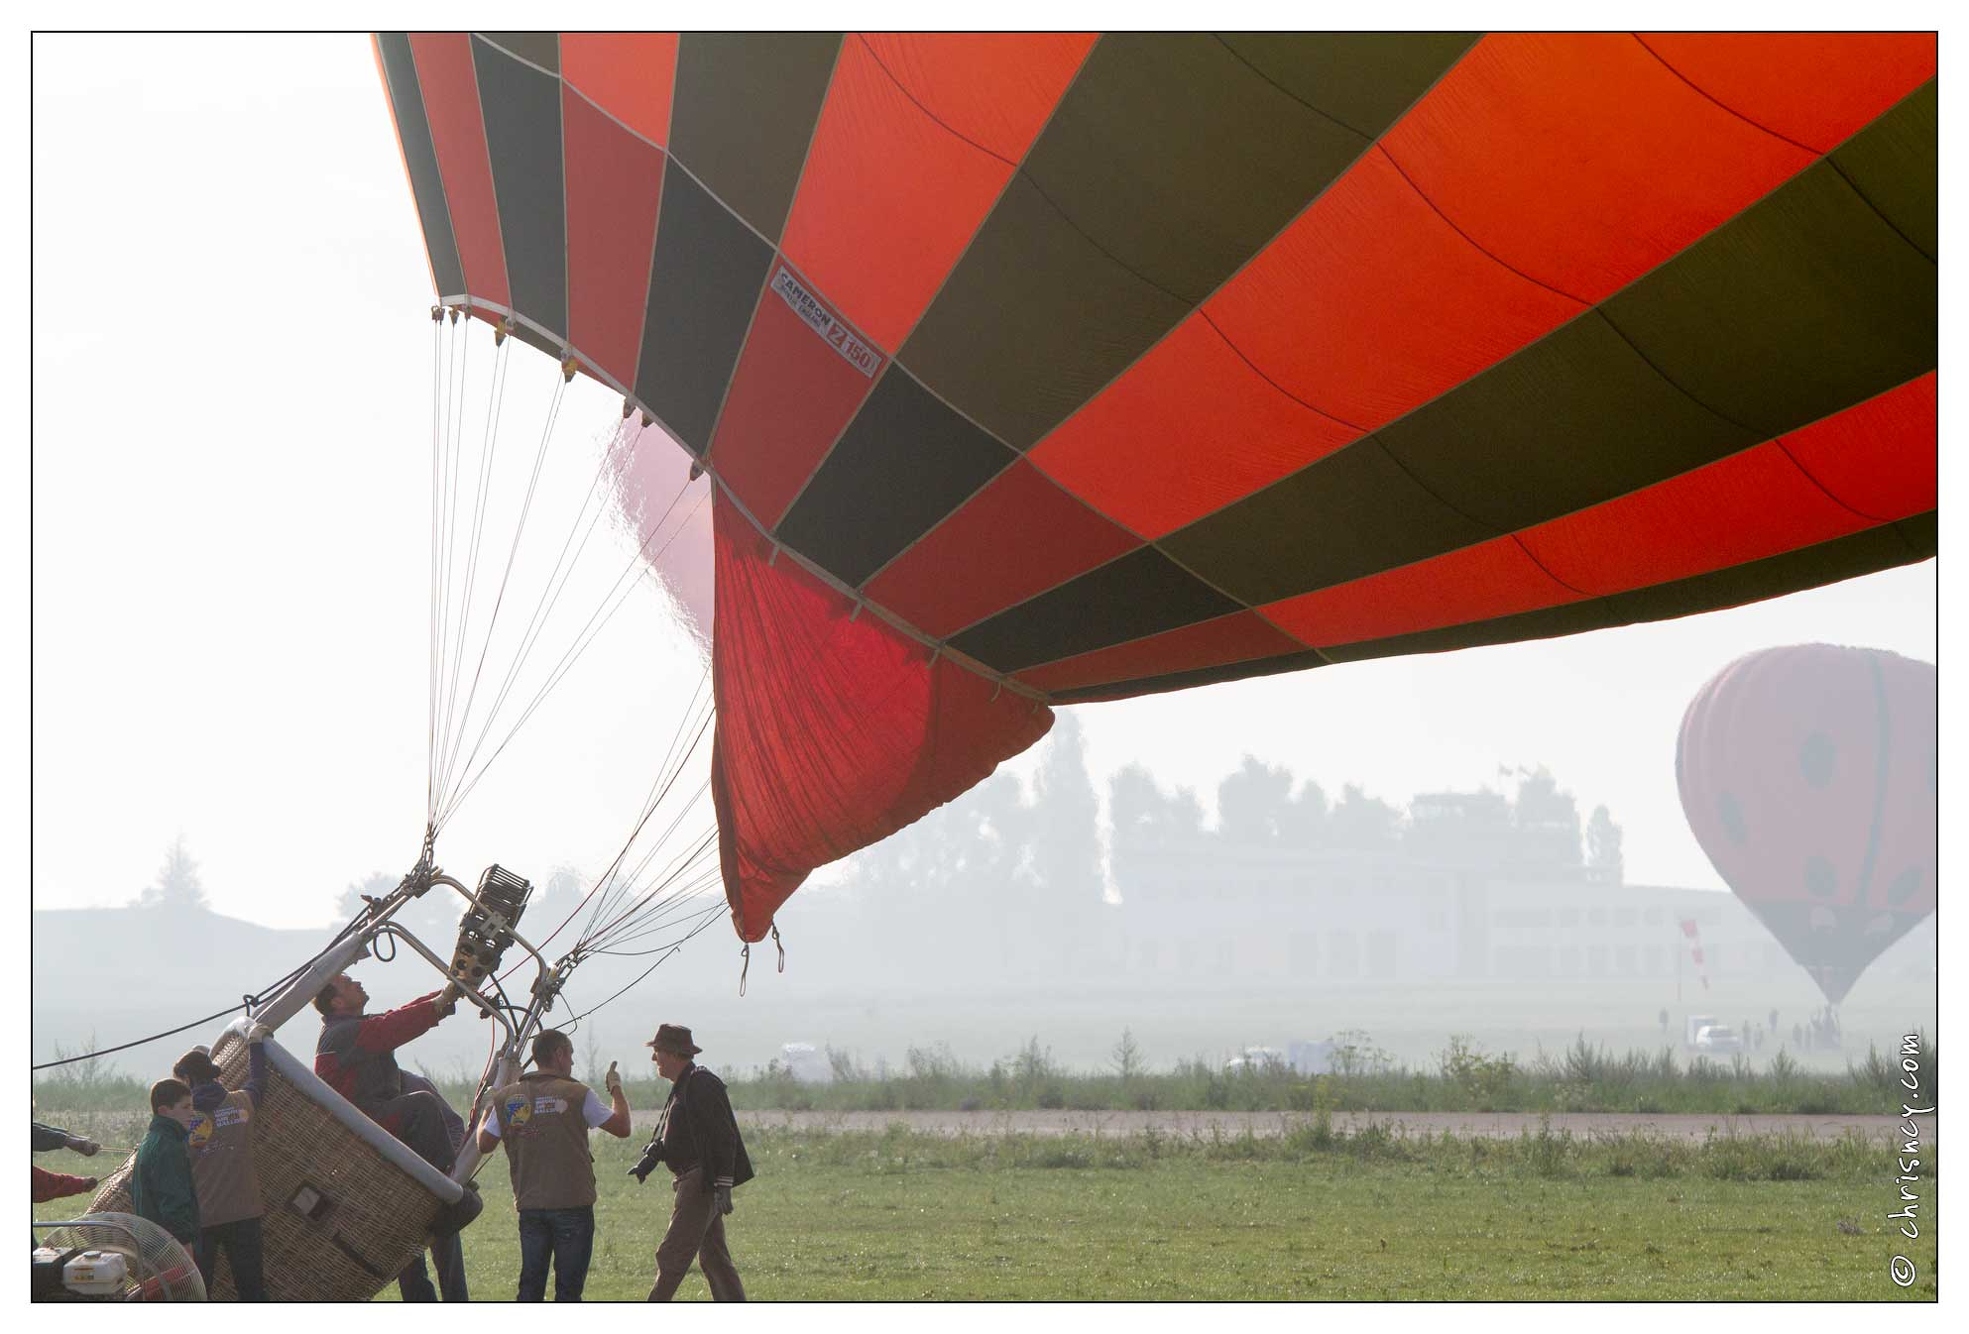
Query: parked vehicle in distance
[1254, 1059]
[1718, 1038]
[1311, 1058]
[805, 1063]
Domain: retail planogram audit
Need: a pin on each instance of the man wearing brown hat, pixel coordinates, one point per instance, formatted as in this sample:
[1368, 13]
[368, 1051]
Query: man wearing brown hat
[697, 1138]
[544, 1120]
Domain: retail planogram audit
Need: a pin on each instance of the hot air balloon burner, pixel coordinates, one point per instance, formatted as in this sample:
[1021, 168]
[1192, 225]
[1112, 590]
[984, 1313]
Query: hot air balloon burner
[486, 931]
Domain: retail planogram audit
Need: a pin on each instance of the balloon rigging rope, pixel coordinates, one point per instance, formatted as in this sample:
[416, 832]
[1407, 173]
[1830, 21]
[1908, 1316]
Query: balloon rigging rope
[612, 888]
[458, 367]
[710, 915]
[667, 912]
[674, 869]
[563, 570]
[454, 781]
[598, 621]
[505, 578]
[488, 453]
[624, 909]
[699, 719]
[632, 922]
[442, 396]
[439, 388]
[696, 718]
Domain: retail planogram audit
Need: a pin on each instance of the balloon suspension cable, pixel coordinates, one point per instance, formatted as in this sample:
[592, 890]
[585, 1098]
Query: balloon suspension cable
[499, 599]
[474, 715]
[611, 924]
[705, 919]
[461, 732]
[612, 602]
[455, 720]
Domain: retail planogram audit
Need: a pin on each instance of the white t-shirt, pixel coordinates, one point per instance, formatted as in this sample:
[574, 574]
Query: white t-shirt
[593, 1110]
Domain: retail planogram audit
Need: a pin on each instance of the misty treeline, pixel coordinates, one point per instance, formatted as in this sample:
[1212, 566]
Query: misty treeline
[1010, 882]
[1263, 805]
[1019, 881]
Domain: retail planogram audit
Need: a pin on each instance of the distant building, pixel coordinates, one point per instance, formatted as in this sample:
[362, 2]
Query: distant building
[1200, 909]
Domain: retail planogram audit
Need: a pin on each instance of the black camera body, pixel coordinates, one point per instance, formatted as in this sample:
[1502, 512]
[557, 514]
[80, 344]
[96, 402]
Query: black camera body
[651, 1160]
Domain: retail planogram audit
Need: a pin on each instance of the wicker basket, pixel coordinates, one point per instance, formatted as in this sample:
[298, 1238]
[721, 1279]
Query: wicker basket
[347, 1206]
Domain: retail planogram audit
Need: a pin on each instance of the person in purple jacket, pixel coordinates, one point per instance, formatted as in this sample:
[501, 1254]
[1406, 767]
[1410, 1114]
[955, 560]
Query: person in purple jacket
[220, 1141]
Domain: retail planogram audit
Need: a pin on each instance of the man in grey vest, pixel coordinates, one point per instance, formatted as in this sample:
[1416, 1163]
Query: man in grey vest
[697, 1138]
[544, 1120]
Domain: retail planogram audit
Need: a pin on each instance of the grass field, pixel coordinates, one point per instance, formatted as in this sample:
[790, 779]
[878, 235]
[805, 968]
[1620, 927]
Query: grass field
[1311, 1215]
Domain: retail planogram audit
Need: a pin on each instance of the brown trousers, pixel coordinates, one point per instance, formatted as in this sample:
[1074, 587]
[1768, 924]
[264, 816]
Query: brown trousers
[697, 1232]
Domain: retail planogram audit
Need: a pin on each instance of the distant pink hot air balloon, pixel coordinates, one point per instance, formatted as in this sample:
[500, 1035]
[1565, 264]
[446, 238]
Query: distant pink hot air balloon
[1807, 773]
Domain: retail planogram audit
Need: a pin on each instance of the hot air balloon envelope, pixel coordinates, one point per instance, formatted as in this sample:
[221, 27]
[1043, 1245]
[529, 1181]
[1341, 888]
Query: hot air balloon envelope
[1808, 775]
[1043, 368]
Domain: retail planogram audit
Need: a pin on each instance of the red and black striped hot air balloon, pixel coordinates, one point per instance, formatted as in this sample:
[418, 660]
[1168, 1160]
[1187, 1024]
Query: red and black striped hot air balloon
[1051, 368]
[1808, 775]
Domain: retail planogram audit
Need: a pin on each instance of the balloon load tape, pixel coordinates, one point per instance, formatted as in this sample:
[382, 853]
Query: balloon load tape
[487, 928]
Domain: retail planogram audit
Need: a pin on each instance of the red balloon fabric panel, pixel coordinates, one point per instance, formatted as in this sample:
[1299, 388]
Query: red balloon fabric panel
[834, 730]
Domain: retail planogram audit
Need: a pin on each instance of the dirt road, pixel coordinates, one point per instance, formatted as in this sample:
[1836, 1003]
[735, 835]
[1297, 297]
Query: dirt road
[1684, 1126]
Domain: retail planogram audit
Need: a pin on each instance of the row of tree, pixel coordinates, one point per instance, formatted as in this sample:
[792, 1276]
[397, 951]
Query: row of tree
[1013, 883]
[1263, 805]
[1001, 851]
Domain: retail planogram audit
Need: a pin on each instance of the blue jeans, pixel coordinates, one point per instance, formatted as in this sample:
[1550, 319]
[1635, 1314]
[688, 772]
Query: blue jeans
[414, 1283]
[241, 1241]
[423, 1120]
[567, 1236]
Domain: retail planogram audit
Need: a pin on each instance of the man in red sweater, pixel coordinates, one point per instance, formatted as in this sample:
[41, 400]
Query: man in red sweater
[356, 1056]
[54, 1185]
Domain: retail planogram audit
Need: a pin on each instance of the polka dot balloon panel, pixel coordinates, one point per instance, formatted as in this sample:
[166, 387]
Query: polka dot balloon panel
[1807, 774]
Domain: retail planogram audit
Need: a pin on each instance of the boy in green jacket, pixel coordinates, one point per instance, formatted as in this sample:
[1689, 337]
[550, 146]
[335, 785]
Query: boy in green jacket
[161, 1187]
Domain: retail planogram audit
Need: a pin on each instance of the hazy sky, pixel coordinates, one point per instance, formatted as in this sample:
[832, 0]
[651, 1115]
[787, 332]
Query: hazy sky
[232, 378]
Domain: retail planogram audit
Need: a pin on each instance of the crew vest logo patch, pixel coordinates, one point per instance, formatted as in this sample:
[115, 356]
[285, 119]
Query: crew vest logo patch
[199, 1133]
[519, 1110]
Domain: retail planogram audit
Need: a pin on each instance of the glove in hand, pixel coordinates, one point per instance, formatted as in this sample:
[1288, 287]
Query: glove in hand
[724, 1198]
[86, 1147]
[612, 1081]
